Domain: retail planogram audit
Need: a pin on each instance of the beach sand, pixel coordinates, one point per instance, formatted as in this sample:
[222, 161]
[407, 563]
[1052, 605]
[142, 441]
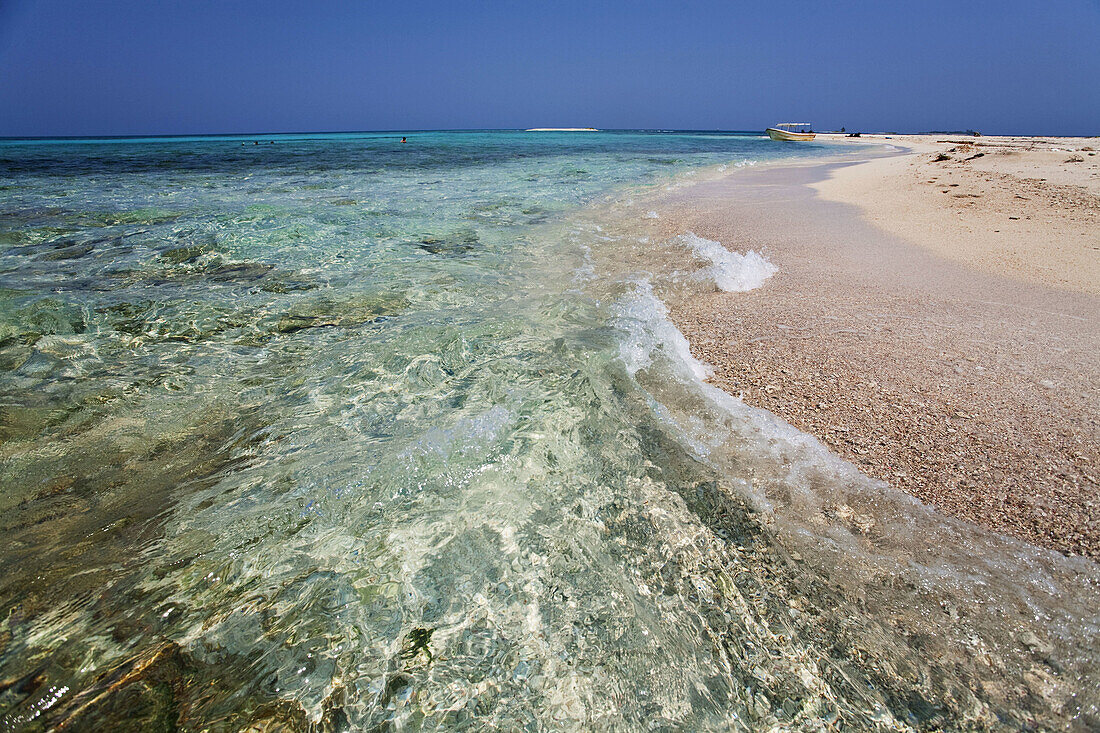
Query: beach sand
[1025, 208]
[935, 321]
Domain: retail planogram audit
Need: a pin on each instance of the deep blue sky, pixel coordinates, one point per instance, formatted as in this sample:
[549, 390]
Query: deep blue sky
[138, 66]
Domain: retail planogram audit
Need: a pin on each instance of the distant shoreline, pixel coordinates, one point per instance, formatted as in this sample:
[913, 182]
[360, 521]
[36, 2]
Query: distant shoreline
[561, 129]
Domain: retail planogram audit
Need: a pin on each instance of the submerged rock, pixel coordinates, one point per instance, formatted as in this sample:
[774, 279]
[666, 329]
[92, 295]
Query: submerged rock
[239, 271]
[416, 641]
[13, 356]
[280, 282]
[154, 321]
[347, 313]
[155, 689]
[145, 216]
[42, 317]
[458, 243]
[22, 422]
[181, 255]
[69, 250]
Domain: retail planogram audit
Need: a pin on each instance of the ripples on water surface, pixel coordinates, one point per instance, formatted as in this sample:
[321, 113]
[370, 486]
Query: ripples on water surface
[335, 433]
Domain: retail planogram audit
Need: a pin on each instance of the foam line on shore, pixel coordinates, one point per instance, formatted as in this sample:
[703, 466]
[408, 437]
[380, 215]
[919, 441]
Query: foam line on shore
[731, 271]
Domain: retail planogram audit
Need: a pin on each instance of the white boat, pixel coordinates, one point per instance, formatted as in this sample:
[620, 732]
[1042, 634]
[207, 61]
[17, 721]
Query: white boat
[784, 132]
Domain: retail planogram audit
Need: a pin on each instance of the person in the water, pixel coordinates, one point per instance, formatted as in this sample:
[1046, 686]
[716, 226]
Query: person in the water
[404, 140]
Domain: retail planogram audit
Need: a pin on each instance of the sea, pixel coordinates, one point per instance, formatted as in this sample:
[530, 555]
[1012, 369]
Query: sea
[333, 432]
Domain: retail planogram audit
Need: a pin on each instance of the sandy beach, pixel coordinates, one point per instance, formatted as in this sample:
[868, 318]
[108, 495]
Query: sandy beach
[1024, 208]
[934, 319]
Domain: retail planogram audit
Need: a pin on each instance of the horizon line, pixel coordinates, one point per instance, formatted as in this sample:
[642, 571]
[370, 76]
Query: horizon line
[396, 131]
[350, 132]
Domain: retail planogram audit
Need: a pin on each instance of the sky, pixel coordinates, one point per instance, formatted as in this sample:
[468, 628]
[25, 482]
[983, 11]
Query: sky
[132, 67]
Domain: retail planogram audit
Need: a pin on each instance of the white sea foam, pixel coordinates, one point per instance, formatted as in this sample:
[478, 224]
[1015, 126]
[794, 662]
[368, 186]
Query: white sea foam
[731, 271]
[586, 271]
[649, 334]
[825, 505]
[650, 339]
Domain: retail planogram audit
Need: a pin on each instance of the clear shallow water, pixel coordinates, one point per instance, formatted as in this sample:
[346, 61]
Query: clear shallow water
[339, 433]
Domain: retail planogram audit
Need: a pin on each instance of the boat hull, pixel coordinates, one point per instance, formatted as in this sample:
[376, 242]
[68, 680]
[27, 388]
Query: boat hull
[788, 136]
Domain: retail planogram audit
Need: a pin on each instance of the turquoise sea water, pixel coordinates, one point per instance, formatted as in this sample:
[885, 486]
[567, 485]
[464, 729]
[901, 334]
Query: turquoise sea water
[330, 432]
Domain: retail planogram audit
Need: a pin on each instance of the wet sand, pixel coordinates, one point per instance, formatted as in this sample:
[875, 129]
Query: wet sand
[953, 379]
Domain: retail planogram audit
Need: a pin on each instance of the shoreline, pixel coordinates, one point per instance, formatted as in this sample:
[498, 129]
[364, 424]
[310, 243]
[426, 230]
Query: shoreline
[961, 380]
